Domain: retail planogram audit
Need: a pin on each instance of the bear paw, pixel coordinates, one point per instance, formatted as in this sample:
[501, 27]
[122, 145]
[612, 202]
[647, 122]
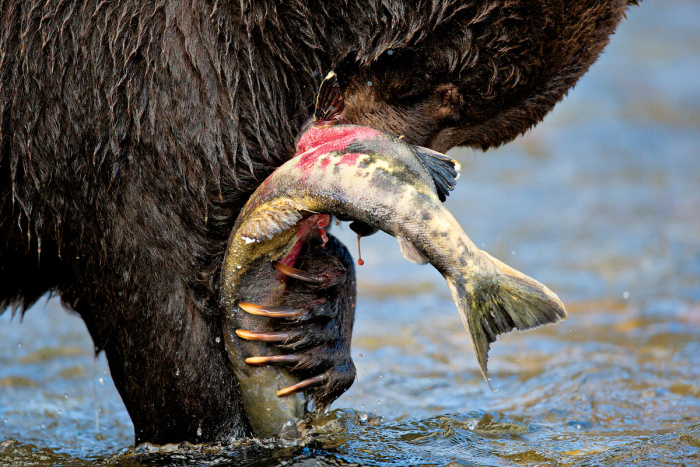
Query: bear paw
[312, 330]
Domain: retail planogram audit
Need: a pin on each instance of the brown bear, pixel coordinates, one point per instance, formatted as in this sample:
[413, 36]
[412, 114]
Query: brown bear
[132, 132]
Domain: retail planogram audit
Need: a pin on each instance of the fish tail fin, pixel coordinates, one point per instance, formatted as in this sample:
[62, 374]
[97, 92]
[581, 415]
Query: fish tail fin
[443, 169]
[510, 300]
[329, 102]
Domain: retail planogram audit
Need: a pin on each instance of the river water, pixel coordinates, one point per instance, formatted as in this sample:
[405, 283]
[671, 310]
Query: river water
[601, 202]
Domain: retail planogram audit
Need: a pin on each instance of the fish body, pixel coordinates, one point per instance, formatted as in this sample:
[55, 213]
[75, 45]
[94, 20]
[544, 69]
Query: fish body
[381, 190]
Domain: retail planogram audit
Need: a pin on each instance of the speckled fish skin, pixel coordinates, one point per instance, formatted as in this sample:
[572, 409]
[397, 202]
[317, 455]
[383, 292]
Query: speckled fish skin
[362, 174]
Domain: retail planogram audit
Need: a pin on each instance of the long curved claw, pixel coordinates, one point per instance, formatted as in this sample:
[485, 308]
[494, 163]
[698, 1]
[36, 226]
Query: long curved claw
[270, 311]
[303, 385]
[263, 336]
[272, 359]
[299, 274]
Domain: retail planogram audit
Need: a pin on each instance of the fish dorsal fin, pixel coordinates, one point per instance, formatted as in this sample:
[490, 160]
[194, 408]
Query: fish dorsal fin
[409, 251]
[272, 220]
[329, 103]
[443, 169]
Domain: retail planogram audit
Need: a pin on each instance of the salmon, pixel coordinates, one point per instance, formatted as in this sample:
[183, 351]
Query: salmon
[375, 179]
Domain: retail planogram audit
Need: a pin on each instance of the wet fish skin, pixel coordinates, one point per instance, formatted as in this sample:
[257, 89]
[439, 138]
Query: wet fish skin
[395, 194]
[377, 180]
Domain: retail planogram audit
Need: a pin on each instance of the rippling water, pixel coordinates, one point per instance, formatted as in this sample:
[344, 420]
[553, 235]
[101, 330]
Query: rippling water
[601, 202]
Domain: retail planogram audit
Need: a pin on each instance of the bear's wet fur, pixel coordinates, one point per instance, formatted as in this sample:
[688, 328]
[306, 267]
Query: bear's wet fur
[132, 132]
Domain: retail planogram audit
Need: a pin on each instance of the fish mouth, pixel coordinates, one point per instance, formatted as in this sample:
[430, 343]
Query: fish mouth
[307, 228]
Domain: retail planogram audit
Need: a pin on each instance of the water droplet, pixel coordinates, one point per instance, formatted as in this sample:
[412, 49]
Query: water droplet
[364, 417]
[517, 359]
[199, 431]
[578, 427]
[512, 253]
[99, 409]
[177, 372]
[65, 396]
[315, 73]
[4, 421]
[101, 380]
[218, 340]
[59, 411]
[626, 295]
[19, 345]
[390, 52]
[238, 266]
[369, 83]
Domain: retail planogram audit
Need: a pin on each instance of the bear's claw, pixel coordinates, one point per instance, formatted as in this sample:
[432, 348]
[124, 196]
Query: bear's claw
[263, 336]
[328, 278]
[270, 311]
[299, 274]
[273, 359]
[301, 385]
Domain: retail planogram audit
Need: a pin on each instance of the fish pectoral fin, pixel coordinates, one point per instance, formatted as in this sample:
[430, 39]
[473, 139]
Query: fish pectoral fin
[410, 252]
[273, 220]
[329, 102]
[443, 169]
[500, 303]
